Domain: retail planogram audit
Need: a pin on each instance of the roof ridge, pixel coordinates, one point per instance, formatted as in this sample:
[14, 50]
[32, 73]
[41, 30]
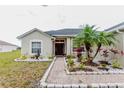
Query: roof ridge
[64, 32]
[64, 29]
[122, 23]
[6, 43]
[30, 31]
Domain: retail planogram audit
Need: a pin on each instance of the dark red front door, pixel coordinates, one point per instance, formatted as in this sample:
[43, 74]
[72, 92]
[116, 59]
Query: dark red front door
[59, 49]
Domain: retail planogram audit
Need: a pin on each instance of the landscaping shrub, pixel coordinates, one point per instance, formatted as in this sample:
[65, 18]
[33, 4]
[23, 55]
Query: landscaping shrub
[82, 66]
[79, 58]
[40, 57]
[116, 64]
[50, 57]
[103, 65]
[32, 57]
[83, 59]
[70, 64]
[23, 57]
[70, 56]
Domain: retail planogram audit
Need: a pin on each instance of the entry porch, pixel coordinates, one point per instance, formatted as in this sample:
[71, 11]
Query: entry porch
[62, 46]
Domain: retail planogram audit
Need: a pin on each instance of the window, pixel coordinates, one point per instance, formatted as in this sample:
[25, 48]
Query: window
[36, 46]
[59, 41]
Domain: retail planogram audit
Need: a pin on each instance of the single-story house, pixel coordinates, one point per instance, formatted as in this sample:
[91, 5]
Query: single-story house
[58, 42]
[6, 47]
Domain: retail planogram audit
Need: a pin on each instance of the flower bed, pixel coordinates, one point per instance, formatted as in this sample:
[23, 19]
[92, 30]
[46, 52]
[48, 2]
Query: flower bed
[91, 70]
[32, 60]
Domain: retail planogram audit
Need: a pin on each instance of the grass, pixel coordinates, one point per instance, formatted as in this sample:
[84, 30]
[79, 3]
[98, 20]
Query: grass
[20, 74]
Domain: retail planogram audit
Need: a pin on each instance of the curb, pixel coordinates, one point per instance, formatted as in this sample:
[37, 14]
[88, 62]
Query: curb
[45, 76]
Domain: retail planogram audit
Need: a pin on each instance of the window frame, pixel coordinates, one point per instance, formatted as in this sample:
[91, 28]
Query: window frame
[31, 46]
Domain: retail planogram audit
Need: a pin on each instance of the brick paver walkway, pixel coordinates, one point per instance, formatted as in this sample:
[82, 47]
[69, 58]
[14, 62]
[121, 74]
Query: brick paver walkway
[58, 76]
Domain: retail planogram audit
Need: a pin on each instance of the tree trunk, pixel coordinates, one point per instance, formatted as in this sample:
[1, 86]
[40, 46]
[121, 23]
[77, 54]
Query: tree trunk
[88, 53]
[88, 49]
[99, 46]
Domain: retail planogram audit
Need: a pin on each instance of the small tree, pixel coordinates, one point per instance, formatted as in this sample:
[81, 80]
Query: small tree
[89, 36]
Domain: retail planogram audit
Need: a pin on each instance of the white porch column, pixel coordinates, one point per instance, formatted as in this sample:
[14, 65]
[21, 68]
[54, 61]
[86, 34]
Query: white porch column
[69, 46]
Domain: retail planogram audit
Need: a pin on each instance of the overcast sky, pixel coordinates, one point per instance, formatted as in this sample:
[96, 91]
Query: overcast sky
[15, 20]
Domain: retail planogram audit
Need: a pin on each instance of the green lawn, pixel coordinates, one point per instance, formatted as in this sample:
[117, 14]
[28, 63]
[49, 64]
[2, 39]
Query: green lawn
[19, 74]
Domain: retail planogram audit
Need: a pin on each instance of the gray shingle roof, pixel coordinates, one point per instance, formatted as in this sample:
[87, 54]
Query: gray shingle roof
[61, 32]
[6, 43]
[115, 26]
[64, 32]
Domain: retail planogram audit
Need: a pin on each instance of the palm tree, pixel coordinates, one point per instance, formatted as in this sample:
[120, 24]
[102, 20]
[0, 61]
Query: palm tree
[104, 39]
[86, 37]
[89, 36]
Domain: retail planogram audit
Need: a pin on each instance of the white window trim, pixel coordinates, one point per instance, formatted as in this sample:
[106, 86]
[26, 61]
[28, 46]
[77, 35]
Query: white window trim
[36, 40]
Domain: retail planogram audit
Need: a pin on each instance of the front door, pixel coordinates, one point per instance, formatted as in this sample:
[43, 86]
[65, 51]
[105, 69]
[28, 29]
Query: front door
[59, 49]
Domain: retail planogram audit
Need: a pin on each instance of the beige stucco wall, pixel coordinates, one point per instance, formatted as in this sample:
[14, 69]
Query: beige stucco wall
[46, 43]
[120, 46]
[120, 43]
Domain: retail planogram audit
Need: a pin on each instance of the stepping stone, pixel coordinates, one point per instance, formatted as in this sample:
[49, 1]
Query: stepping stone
[83, 73]
[112, 85]
[115, 72]
[75, 86]
[104, 72]
[121, 72]
[67, 72]
[83, 85]
[120, 85]
[50, 86]
[103, 85]
[67, 86]
[95, 85]
[58, 86]
[73, 73]
[89, 86]
[99, 73]
[110, 72]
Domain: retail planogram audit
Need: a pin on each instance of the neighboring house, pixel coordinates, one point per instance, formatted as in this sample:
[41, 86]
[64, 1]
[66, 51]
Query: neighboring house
[57, 42]
[119, 32]
[6, 47]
